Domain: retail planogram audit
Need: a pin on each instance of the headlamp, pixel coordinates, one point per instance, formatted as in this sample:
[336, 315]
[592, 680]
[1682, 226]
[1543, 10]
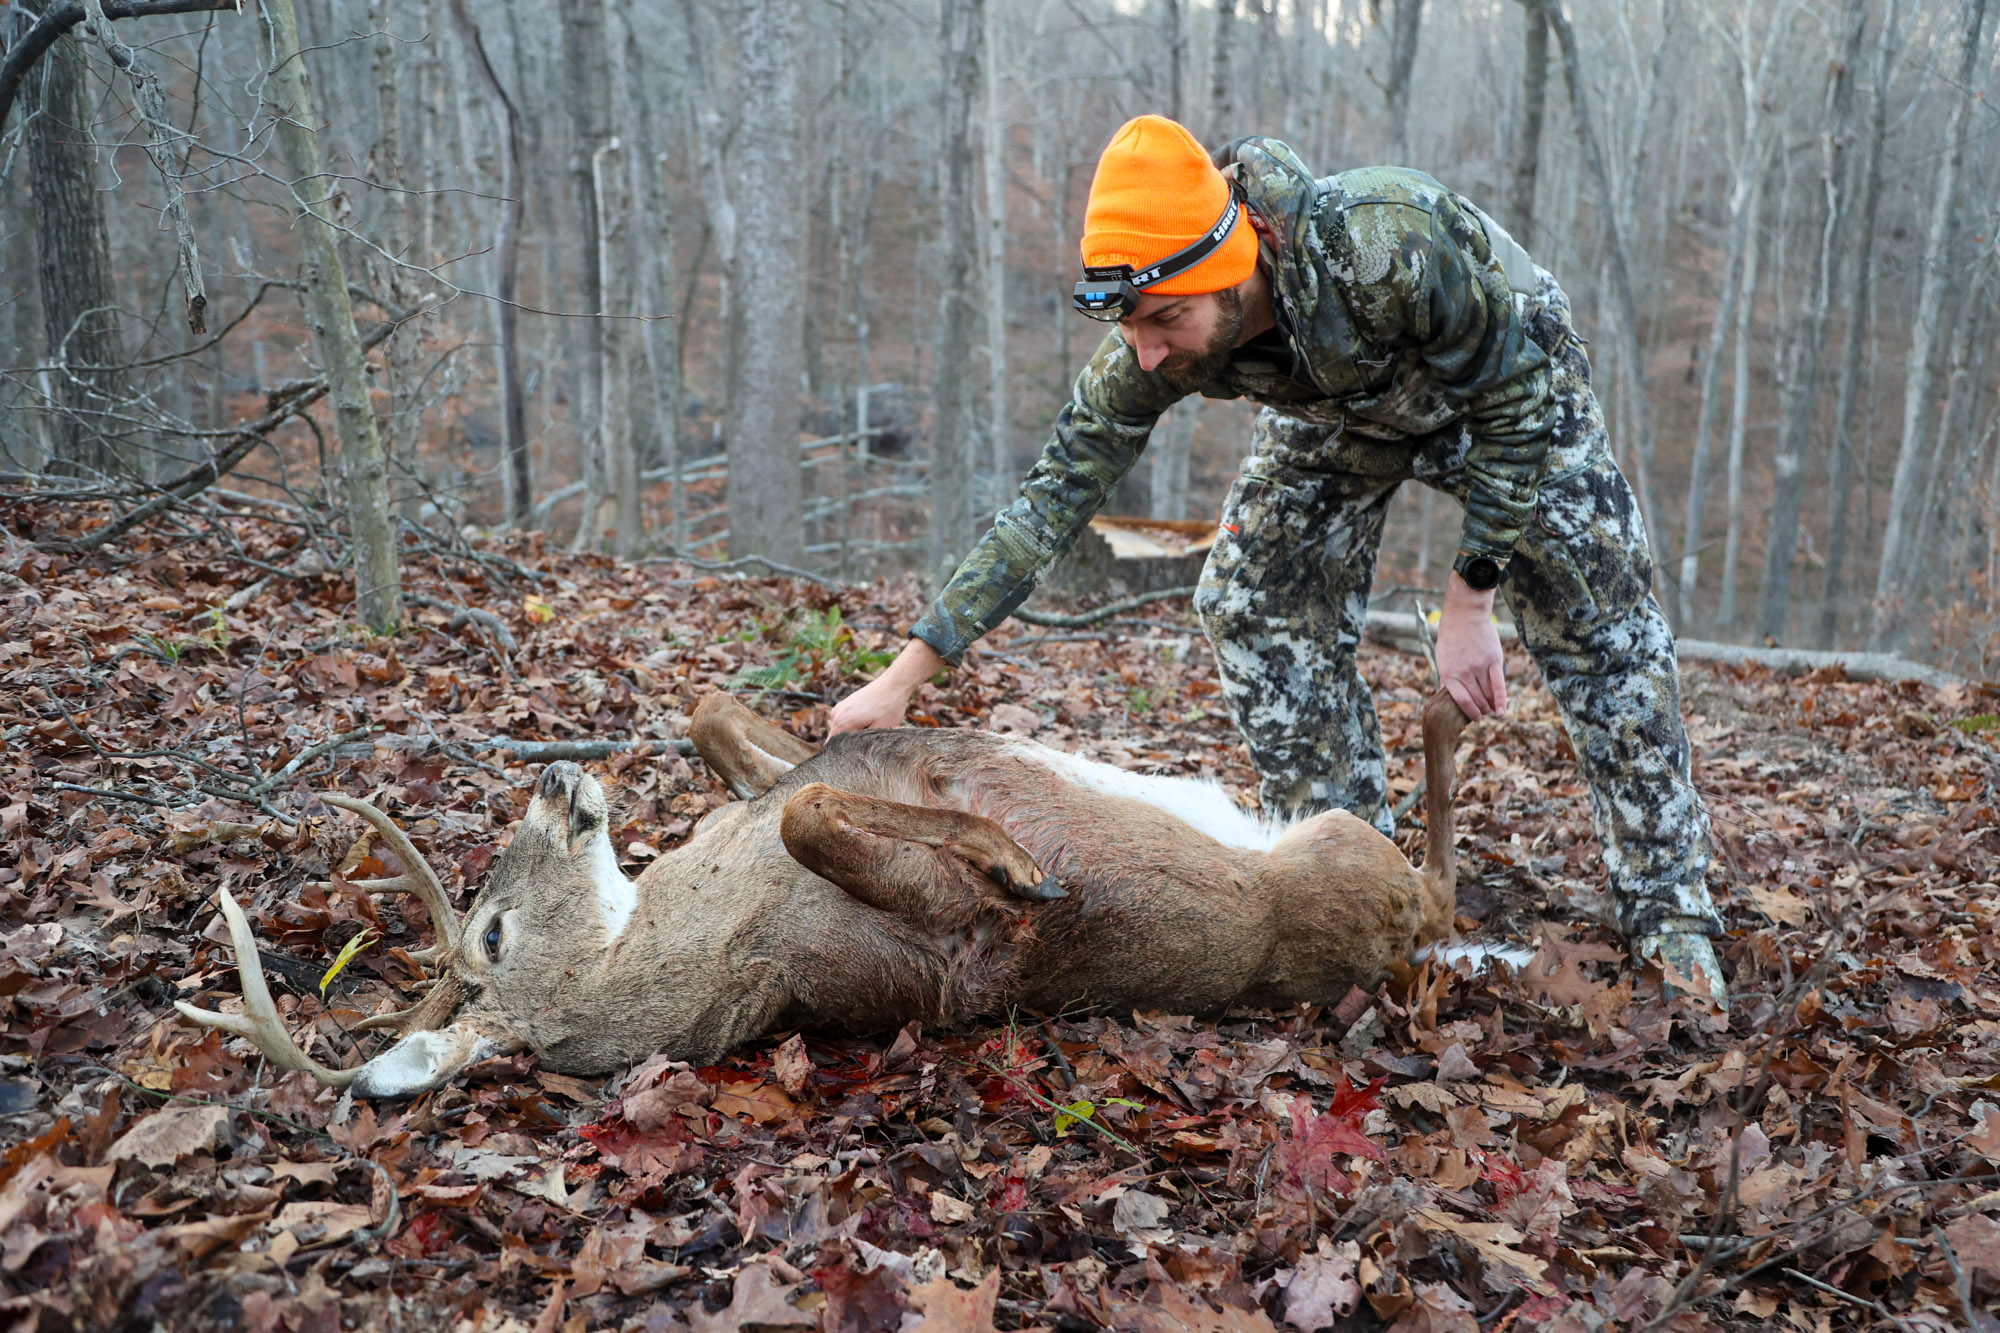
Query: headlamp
[1111, 293]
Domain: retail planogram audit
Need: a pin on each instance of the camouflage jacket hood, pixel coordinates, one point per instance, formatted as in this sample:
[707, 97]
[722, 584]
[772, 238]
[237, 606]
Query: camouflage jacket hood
[1398, 303]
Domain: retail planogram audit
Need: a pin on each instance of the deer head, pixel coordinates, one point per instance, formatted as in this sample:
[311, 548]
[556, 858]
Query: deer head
[553, 902]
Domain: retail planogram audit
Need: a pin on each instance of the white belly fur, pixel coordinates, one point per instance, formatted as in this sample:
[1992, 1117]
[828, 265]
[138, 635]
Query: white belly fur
[1200, 802]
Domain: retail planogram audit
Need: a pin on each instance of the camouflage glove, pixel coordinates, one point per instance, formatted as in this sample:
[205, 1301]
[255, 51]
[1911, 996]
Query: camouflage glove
[1683, 943]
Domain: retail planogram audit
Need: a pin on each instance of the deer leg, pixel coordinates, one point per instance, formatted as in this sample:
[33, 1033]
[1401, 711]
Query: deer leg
[746, 752]
[907, 859]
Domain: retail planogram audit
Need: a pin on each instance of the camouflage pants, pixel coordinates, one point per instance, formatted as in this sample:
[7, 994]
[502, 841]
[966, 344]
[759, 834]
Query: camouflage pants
[1284, 597]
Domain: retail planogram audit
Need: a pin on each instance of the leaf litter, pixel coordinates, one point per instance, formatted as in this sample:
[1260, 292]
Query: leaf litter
[1562, 1150]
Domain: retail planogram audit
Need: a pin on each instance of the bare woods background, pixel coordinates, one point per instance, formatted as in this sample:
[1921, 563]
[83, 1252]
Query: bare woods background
[788, 279]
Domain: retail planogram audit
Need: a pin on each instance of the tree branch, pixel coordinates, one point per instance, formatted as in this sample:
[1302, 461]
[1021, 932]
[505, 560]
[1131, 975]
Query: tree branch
[63, 15]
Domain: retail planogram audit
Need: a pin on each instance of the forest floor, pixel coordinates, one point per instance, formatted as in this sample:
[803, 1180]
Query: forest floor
[1565, 1149]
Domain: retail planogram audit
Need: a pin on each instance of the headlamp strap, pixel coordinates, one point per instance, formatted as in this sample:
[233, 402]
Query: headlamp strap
[1181, 260]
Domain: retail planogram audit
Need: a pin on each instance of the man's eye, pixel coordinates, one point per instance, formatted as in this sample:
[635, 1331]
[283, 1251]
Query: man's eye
[493, 941]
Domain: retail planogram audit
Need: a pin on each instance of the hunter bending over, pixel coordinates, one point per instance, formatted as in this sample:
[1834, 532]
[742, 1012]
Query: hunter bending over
[1392, 332]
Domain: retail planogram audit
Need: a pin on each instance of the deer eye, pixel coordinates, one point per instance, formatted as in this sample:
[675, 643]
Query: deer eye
[493, 940]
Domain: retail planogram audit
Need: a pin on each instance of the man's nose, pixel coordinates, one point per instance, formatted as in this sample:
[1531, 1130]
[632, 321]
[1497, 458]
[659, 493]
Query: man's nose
[1148, 346]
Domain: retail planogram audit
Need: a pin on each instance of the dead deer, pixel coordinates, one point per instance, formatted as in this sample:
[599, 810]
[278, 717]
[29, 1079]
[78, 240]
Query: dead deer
[893, 875]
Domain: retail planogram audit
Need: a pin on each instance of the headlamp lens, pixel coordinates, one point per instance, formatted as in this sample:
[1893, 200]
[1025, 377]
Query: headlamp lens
[1109, 300]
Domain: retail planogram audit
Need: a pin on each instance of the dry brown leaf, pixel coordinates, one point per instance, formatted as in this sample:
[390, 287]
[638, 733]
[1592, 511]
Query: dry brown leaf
[793, 1066]
[760, 1305]
[166, 1136]
[948, 1308]
[1324, 1289]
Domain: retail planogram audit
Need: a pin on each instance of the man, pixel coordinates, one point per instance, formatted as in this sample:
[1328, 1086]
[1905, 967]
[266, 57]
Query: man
[1393, 332]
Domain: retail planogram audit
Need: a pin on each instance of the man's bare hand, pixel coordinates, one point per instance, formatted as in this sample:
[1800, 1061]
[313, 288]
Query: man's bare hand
[1468, 651]
[883, 701]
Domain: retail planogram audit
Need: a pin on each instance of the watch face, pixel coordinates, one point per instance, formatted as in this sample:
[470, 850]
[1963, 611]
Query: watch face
[1481, 573]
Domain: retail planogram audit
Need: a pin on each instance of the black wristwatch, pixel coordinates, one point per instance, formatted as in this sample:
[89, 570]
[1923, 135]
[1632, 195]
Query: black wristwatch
[1482, 573]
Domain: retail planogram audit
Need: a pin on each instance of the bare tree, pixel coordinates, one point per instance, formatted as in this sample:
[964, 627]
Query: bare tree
[1802, 376]
[766, 329]
[1892, 581]
[364, 466]
[1752, 72]
[998, 430]
[1619, 261]
[1855, 307]
[519, 496]
[1402, 65]
[587, 71]
[1739, 412]
[1528, 135]
[79, 297]
[957, 243]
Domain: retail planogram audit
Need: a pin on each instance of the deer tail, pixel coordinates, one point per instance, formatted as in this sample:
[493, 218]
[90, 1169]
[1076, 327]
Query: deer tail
[1443, 723]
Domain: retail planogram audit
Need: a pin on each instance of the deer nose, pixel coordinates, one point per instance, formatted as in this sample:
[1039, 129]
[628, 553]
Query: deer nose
[558, 780]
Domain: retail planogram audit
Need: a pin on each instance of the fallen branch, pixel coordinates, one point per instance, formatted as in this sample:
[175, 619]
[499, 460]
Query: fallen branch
[725, 566]
[1400, 630]
[536, 752]
[1109, 611]
[464, 615]
[1798, 661]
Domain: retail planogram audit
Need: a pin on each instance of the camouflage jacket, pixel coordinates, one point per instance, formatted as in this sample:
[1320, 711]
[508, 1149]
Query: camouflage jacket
[1398, 309]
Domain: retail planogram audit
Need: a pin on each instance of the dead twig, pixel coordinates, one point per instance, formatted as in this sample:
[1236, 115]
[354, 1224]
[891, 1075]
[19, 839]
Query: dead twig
[1109, 611]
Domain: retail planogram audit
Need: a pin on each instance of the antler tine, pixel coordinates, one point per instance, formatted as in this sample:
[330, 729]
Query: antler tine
[417, 876]
[259, 1021]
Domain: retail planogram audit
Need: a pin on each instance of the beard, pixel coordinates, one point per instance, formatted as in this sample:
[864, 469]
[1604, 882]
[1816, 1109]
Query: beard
[1188, 371]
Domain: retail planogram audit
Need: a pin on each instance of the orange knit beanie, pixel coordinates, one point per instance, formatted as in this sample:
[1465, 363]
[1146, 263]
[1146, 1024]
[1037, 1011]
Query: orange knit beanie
[1154, 194]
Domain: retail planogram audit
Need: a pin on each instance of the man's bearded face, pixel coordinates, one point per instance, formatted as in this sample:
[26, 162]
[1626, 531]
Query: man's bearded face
[1197, 333]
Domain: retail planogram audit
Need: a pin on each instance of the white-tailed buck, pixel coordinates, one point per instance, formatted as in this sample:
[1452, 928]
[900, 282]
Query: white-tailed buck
[894, 875]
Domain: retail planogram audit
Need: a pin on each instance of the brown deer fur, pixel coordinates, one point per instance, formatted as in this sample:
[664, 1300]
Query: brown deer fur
[898, 875]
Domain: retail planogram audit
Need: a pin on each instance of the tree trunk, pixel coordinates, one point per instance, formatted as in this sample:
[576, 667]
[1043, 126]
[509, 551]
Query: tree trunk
[79, 297]
[999, 432]
[1801, 393]
[1174, 440]
[1893, 586]
[957, 243]
[1855, 304]
[1528, 138]
[587, 89]
[364, 468]
[654, 237]
[1743, 217]
[1222, 87]
[1402, 61]
[1739, 413]
[506, 266]
[614, 524]
[766, 329]
[1964, 388]
[1620, 261]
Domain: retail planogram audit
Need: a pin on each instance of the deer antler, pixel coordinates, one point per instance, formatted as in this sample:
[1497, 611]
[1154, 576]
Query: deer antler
[259, 1021]
[417, 877]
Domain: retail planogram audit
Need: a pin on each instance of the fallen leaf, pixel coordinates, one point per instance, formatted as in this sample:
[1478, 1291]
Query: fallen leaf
[1323, 1290]
[949, 1308]
[166, 1136]
[759, 1305]
[793, 1066]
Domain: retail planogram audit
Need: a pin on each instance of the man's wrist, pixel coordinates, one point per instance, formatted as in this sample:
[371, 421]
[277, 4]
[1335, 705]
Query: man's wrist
[1460, 594]
[917, 663]
[1481, 571]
